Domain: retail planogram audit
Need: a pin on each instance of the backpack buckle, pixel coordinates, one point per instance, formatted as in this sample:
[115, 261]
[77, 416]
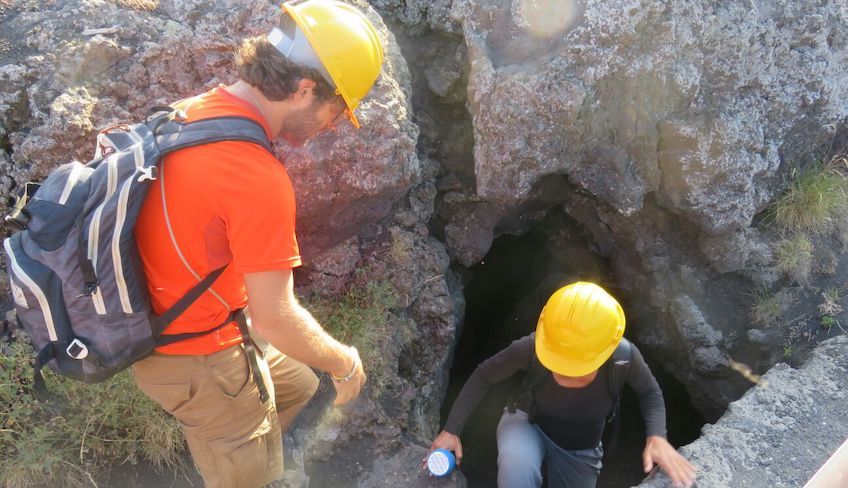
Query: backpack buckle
[19, 218]
[77, 350]
[148, 173]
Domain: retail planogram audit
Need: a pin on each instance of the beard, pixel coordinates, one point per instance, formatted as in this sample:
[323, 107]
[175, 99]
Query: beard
[302, 125]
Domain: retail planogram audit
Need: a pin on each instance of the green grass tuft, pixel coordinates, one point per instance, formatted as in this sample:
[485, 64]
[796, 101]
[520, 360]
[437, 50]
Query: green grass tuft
[794, 258]
[815, 202]
[828, 321]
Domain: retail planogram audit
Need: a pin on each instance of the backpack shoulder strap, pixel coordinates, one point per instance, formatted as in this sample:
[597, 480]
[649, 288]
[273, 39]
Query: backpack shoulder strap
[535, 375]
[172, 135]
[523, 397]
[619, 368]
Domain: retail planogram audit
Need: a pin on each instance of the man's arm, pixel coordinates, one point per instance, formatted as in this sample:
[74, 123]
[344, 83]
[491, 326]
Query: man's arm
[277, 316]
[657, 449]
[650, 396]
[497, 368]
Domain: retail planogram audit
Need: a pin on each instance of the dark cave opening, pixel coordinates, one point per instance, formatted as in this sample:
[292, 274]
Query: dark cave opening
[504, 294]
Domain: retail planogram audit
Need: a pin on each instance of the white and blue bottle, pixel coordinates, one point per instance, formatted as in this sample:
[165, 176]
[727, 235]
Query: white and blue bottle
[441, 462]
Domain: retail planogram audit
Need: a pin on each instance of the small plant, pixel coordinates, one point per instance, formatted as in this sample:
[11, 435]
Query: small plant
[828, 321]
[764, 306]
[794, 258]
[832, 294]
[788, 350]
[813, 203]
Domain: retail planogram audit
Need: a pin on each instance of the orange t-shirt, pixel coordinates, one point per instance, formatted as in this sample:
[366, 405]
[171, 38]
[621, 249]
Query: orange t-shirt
[228, 202]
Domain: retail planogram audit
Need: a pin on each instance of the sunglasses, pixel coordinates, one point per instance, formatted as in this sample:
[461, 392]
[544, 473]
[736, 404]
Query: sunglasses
[338, 119]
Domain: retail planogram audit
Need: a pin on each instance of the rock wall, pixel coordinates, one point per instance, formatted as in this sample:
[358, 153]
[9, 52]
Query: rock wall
[782, 431]
[664, 128]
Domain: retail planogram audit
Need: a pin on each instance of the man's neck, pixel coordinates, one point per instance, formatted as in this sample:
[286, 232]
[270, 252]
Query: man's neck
[267, 109]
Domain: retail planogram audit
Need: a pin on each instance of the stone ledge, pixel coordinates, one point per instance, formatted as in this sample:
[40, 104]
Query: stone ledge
[782, 431]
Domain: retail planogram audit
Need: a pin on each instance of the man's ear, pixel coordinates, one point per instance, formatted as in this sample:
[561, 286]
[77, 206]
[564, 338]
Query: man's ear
[305, 87]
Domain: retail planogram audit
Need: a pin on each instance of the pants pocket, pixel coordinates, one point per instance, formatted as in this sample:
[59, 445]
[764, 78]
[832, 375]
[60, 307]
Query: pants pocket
[232, 373]
[171, 397]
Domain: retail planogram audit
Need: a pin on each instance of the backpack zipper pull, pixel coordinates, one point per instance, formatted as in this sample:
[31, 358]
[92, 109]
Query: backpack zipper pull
[89, 288]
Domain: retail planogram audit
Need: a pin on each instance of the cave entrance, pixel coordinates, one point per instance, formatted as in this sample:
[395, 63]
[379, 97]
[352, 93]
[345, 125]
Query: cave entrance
[504, 294]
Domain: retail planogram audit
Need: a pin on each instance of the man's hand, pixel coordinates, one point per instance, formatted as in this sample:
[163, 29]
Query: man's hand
[446, 440]
[658, 450]
[348, 390]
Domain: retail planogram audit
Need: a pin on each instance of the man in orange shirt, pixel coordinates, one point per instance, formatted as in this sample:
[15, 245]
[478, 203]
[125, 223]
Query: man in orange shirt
[231, 203]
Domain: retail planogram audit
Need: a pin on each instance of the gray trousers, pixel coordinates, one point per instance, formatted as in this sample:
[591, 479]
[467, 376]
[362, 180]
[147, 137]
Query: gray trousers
[523, 446]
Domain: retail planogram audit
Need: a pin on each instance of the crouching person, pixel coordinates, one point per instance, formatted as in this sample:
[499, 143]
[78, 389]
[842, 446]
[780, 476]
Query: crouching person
[574, 365]
[231, 204]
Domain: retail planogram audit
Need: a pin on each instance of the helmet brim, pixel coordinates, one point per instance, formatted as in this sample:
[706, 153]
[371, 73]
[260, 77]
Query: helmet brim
[568, 366]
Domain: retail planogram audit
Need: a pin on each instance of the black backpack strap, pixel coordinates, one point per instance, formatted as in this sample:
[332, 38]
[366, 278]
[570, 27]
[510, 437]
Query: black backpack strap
[619, 368]
[173, 136]
[160, 323]
[190, 297]
[46, 353]
[524, 396]
[166, 339]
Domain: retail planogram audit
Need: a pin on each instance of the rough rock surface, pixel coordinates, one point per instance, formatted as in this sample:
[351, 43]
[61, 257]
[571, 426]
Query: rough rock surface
[403, 468]
[665, 128]
[781, 431]
[434, 14]
[692, 102]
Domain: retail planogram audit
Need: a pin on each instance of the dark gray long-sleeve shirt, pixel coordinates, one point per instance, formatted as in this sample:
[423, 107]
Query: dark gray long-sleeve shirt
[572, 417]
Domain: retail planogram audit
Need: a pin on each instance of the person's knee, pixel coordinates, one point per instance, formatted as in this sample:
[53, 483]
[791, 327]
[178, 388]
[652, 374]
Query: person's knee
[518, 468]
[519, 458]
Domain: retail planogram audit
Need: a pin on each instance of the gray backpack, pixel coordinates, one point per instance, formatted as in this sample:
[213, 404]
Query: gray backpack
[77, 283]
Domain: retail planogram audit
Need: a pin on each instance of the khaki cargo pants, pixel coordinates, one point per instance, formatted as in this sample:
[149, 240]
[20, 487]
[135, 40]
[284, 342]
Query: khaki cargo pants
[234, 439]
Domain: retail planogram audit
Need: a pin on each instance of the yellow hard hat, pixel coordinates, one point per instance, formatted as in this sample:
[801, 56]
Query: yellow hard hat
[346, 43]
[578, 330]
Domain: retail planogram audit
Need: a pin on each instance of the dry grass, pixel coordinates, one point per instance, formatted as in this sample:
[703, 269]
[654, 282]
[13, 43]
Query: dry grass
[815, 202]
[764, 306]
[794, 258]
[830, 302]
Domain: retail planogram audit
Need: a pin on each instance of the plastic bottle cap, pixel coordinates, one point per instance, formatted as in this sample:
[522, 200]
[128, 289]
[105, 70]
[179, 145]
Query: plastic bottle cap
[441, 462]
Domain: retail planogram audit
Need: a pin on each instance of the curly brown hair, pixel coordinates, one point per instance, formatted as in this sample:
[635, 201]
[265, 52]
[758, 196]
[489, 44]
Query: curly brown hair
[261, 65]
